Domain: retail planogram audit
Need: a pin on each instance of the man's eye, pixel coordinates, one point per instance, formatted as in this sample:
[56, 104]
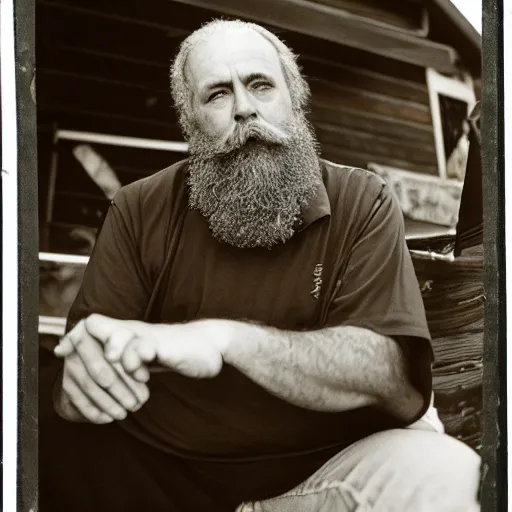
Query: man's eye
[216, 95]
[261, 86]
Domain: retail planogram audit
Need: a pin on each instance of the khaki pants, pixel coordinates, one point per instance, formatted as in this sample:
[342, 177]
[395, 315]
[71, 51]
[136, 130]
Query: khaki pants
[407, 470]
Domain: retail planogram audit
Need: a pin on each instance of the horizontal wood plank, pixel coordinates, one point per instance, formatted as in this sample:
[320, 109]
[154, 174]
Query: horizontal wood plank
[73, 92]
[64, 25]
[359, 77]
[92, 120]
[338, 26]
[388, 13]
[357, 99]
[370, 122]
[127, 13]
[334, 53]
[455, 383]
[58, 25]
[78, 61]
[380, 146]
[358, 159]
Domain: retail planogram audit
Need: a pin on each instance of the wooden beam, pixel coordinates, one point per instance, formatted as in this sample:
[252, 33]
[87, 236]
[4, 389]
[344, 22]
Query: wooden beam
[132, 13]
[73, 259]
[338, 26]
[122, 141]
[52, 325]
[405, 17]
[450, 27]
[462, 24]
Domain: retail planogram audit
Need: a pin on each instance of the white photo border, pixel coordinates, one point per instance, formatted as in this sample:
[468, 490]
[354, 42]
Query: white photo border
[10, 259]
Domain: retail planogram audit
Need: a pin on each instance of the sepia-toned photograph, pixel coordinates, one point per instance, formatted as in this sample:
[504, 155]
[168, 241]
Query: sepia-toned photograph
[261, 261]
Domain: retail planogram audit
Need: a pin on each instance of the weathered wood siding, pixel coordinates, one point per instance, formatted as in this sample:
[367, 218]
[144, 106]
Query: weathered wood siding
[103, 67]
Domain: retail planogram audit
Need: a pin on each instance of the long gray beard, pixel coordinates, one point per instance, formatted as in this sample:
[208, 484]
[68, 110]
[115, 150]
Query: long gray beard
[253, 187]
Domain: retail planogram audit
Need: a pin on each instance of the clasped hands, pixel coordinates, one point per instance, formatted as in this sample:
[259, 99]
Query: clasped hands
[107, 362]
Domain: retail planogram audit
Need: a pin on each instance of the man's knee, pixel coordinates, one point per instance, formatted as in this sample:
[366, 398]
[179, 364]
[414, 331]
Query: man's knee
[440, 472]
[436, 453]
[407, 471]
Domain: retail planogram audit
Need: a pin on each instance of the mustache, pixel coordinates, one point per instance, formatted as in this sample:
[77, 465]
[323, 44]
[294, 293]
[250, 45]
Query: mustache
[246, 131]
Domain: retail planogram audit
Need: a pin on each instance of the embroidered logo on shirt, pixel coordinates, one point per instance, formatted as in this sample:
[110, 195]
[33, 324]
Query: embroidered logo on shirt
[317, 280]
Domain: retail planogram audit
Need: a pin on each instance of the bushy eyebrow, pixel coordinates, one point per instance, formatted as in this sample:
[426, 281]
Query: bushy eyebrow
[257, 76]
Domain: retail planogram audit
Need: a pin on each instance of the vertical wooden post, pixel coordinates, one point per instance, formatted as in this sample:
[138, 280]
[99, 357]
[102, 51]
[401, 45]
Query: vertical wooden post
[20, 267]
[494, 443]
[507, 86]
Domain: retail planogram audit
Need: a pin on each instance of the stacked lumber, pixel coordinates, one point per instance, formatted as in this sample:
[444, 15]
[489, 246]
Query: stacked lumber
[454, 301]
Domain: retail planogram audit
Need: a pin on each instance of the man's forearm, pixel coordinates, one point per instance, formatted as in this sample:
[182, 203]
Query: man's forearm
[334, 369]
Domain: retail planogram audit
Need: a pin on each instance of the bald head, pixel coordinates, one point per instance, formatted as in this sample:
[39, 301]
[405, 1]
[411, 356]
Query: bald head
[208, 51]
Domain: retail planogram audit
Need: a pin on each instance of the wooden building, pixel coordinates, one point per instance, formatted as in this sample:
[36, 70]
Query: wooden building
[392, 85]
[103, 68]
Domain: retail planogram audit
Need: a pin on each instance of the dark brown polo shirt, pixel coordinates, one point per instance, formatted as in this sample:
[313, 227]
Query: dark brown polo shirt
[155, 259]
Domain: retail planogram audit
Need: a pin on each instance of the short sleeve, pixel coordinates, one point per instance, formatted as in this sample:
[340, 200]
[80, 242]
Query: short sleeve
[114, 283]
[379, 290]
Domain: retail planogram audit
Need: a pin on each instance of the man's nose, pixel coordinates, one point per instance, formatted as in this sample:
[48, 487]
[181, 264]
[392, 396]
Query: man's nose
[244, 107]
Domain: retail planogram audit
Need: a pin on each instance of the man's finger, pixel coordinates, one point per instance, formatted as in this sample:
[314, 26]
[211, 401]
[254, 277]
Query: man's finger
[91, 354]
[128, 394]
[117, 343]
[103, 327]
[141, 374]
[139, 389]
[95, 394]
[131, 359]
[64, 348]
[79, 399]
[147, 353]
[100, 370]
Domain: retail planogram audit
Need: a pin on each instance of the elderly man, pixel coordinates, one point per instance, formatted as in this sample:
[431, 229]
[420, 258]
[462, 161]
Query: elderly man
[249, 332]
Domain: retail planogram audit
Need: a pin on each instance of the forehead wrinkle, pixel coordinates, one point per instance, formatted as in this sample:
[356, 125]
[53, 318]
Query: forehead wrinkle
[264, 53]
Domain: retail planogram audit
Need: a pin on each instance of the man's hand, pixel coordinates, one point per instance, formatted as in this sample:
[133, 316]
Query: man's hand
[194, 349]
[99, 390]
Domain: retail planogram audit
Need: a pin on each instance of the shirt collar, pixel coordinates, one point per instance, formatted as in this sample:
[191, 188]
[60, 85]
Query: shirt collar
[318, 207]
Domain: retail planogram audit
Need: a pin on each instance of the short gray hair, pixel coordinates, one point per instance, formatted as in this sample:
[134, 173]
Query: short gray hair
[180, 90]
